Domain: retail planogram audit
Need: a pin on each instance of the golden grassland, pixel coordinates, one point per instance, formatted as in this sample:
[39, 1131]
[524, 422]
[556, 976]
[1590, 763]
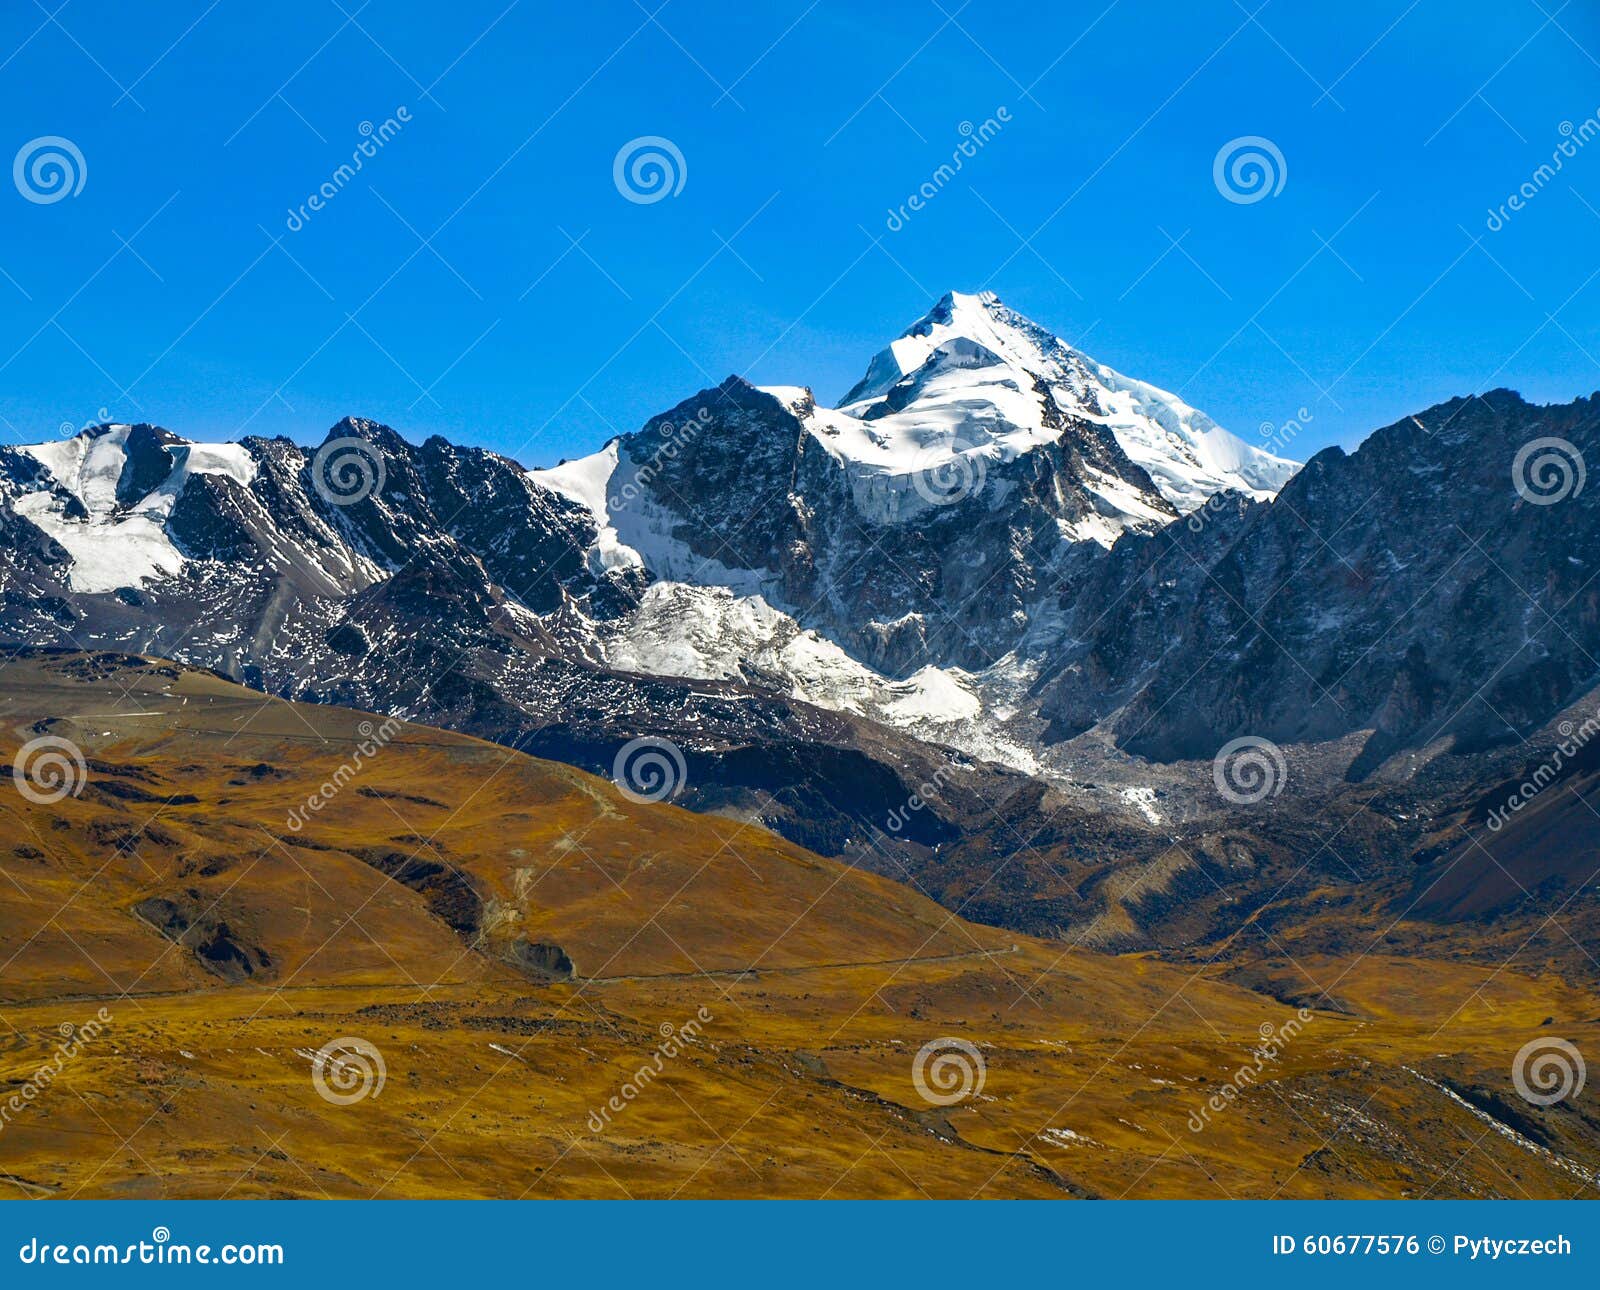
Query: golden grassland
[518, 941]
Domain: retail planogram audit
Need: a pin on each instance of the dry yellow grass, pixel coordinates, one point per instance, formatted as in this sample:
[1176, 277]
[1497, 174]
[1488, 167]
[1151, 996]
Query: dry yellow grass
[229, 948]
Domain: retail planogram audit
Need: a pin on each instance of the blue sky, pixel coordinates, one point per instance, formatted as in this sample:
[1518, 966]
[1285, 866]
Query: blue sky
[483, 278]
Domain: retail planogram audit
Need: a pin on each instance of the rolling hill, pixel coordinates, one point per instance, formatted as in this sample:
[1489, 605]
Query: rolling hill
[470, 972]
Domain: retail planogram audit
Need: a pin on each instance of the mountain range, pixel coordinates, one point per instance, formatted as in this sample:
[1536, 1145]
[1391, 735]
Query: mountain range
[986, 626]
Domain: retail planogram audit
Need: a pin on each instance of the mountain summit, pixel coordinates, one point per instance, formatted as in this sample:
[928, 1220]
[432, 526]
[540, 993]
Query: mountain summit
[972, 366]
[972, 390]
[900, 555]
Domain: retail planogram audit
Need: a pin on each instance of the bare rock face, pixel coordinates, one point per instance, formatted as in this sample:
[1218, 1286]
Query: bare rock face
[1418, 588]
[903, 569]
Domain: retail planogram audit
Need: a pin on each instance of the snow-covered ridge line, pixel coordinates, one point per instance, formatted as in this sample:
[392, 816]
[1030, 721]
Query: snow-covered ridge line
[116, 546]
[973, 379]
[971, 348]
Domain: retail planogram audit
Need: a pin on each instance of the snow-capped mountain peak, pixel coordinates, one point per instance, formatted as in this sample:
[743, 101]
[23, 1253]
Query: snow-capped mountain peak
[927, 522]
[980, 320]
[974, 370]
[107, 492]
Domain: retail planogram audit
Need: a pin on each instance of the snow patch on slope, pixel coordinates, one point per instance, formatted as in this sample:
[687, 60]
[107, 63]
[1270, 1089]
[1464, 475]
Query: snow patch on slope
[107, 553]
[587, 481]
[712, 633]
[1187, 454]
[633, 529]
[114, 546]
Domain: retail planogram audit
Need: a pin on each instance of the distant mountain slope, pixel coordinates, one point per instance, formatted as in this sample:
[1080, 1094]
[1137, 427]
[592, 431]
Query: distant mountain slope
[894, 561]
[896, 557]
[456, 591]
[922, 522]
[1418, 588]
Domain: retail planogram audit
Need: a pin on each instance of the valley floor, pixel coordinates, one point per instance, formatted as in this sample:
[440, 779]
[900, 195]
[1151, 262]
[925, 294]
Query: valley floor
[801, 1084]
